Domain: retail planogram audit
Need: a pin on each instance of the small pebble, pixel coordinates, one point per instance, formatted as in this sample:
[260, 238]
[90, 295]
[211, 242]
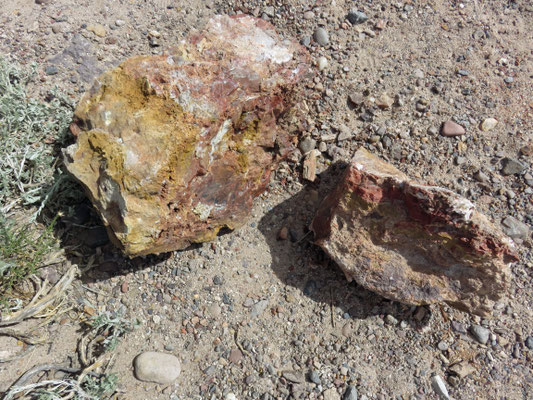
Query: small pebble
[442, 346]
[356, 17]
[510, 166]
[450, 128]
[314, 377]
[459, 327]
[51, 70]
[437, 383]
[480, 333]
[258, 308]
[283, 233]
[97, 29]
[514, 228]
[235, 356]
[305, 41]
[481, 177]
[321, 36]
[331, 394]
[384, 101]
[294, 376]
[309, 15]
[322, 63]
[156, 367]
[418, 74]
[488, 124]
[307, 144]
[350, 393]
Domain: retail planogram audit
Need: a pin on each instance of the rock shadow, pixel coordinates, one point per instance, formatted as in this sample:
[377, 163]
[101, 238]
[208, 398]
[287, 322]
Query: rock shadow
[297, 262]
[83, 236]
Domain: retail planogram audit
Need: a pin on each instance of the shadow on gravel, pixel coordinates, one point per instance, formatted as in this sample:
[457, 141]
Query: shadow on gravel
[83, 236]
[297, 262]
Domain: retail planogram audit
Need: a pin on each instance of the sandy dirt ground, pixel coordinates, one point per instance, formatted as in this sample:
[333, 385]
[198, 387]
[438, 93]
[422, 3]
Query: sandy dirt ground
[260, 318]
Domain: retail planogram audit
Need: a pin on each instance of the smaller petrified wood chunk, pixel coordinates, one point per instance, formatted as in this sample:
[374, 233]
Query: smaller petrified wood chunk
[412, 243]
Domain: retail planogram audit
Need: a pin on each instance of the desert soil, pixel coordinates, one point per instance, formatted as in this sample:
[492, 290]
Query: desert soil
[260, 318]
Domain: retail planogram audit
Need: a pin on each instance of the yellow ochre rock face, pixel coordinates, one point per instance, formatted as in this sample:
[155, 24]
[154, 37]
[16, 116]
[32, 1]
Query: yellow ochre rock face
[173, 148]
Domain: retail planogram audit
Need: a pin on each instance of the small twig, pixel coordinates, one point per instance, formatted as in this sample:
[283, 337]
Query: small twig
[82, 351]
[443, 313]
[94, 290]
[304, 236]
[238, 344]
[97, 364]
[331, 307]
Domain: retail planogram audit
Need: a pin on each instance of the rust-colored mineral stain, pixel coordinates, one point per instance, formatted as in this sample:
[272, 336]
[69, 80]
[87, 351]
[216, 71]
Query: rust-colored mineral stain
[173, 148]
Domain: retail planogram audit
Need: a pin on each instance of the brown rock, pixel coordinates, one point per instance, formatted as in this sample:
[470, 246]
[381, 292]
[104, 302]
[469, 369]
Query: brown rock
[173, 148]
[384, 101]
[235, 356]
[450, 128]
[356, 98]
[527, 150]
[124, 287]
[412, 243]
[309, 167]
[462, 369]
[283, 233]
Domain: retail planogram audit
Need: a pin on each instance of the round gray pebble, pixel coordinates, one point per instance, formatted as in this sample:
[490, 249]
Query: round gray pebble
[321, 36]
[314, 377]
[480, 334]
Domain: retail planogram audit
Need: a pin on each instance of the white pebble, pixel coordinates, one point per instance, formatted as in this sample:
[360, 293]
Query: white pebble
[322, 63]
[156, 367]
[439, 387]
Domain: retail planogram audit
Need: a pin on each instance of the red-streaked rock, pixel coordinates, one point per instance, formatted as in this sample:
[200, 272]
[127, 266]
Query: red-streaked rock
[173, 148]
[412, 243]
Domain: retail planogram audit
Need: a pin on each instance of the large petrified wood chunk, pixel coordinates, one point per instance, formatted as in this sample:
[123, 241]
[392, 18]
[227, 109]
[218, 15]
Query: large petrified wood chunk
[173, 148]
[412, 243]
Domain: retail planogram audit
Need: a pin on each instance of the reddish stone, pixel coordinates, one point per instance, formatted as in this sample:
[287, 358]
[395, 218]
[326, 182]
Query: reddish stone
[450, 128]
[235, 356]
[173, 148]
[283, 233]
[412, 243]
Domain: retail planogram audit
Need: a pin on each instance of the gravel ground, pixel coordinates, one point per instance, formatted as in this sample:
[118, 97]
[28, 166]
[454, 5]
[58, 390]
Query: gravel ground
[253, 316]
